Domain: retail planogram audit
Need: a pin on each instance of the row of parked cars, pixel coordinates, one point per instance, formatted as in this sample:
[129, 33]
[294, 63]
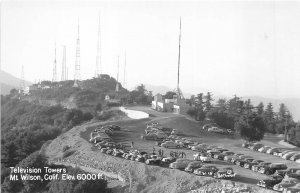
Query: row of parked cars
[103, 133]
[157, 132]
[192, 166]
[285, 154]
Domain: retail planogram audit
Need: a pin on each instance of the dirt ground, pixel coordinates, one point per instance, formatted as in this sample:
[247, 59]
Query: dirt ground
[139, 177]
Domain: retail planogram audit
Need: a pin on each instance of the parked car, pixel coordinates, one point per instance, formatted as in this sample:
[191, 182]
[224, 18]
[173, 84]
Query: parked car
[280, 154]
[204, 157]
[193, 165]
[288, 155]
[221, 156]
[295, 157]
[216, 130]
[180, 164]
[264, 149]
[117, 153]
[256, 146]
[226, 172]
[293, 174]
[256, 168]
[230, 131]
[228, 158]
[201, 147]
[242, 162]
[154, 160]
[213, 152]
[292, 189]
[285, 183]
[247, 144]
[270, 181]
[253, 163]
[115, 127]
[207, 126]
[206, 170]
[171, 144]
[271, 169]
[238, 158]
[154, 136]
[176, 132]
[168, 160]
[287, 171]
[273, 150]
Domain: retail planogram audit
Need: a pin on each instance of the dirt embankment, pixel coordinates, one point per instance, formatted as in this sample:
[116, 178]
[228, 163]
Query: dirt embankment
[136, 177]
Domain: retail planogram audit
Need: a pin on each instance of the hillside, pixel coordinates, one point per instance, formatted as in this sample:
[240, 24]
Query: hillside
[9, 82]
[88, 94]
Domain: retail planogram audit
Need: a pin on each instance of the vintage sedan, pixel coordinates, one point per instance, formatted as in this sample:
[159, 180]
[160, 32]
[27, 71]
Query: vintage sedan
[222, 155]
[258, 167]
[242, 162]
[180, 164]
[292, 189]
[204, 157]
[171, 144]
[270, 181]
[226, 172]
[295, 157]
[271, 169]
[193, 165]
[285, 183]
[273, 150]
[206, 170]
[256, 146]
[264, 149]
[253, 163]
[288, 155]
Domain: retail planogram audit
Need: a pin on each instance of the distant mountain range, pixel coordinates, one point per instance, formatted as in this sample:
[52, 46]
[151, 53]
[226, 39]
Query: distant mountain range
[293, 104]
[9, 82]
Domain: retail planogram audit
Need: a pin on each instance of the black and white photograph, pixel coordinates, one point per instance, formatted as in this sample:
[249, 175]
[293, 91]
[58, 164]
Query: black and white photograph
[150, 96]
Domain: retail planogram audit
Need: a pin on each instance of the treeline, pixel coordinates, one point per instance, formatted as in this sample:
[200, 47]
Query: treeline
[36, 160]
[242, 116]
[25, 127]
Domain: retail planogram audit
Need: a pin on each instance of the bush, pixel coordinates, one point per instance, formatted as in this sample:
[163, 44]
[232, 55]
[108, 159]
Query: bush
[65, 148]
[68, 153]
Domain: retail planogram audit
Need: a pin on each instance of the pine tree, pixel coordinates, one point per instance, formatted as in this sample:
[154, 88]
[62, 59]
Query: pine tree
[260, 108]
[208, 100]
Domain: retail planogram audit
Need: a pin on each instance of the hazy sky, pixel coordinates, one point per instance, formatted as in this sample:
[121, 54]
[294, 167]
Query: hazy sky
[228, 47]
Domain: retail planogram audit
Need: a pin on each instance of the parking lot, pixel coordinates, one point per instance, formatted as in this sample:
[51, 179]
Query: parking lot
[133, 129]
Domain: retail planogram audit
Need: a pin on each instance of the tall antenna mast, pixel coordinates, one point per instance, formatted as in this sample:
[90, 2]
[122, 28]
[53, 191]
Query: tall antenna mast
[22, 84]
[98, 56]
[179, 93]
[124, 78]
[77, 61]
[54, 78]
[117, 85]
[64, 70]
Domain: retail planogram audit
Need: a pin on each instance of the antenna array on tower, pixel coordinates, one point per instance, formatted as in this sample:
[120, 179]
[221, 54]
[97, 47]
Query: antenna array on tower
[64, 67]
[98, 56]
[77, 62]
[54, 78]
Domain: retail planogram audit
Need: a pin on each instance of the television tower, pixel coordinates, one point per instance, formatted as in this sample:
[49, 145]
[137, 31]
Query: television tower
[22, 83]
[54, 77]
[98, 56]
[124, 78]
[117, 85]
[178, 90]
[77, 61]
[64, 67]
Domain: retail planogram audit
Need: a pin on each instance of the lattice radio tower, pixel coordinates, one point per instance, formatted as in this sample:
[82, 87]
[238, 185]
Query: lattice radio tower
[64, 66]
[124, 78]
[178, 90]
[22, 83]
[98, 56]
[77, 61]
[117, 85]
[54, 77]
